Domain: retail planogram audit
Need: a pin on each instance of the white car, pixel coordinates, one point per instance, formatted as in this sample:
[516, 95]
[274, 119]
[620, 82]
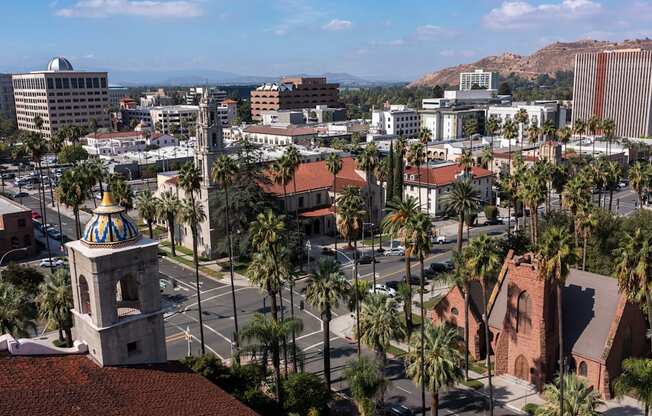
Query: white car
[394, 251]
[380, 288]
[439, 239]
[51, 263]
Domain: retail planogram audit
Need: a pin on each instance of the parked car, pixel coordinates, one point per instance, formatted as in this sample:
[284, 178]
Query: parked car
[54, 233]
[440, 267]
[51, 263]
[397, 409]
[384, 290]
[8, 175]
[493, 221]
[393, 284]
[35, 215]
[438, 239]
[366, 260]
[395, 251]
[20, 195]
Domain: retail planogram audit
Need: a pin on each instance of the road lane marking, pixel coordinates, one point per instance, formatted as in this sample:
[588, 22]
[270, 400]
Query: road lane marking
[320, 343]
[216, 332]
[309, 335]
[219, 296]
[199, 341]
[402, 389]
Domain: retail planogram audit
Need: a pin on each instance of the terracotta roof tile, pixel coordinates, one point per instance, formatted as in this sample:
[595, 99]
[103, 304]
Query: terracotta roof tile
[445, 174]
[116, 135]
[73, 385]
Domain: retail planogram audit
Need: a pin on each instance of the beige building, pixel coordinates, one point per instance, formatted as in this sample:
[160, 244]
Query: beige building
[62, 97]
[293, 92]
[615, 85]
[281, 136]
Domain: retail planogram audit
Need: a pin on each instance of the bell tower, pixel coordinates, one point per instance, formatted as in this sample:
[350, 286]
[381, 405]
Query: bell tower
[210, 140]
[117, 303]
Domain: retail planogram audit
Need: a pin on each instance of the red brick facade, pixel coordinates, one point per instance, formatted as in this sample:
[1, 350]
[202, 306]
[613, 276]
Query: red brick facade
[451, 310]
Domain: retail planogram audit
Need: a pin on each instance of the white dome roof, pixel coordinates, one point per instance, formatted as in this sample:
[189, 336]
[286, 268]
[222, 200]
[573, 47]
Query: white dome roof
[59, 63]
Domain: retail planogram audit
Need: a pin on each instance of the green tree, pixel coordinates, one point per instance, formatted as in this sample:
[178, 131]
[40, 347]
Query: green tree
[391, 165]
[303, 392]
[588, 222]
[17, 312]
[72, 191]
[416, 157]
[363, 377]
[399, 167]
[122, 192]
[440, 366]
[72, 154]
[147, 204]
[638, 178]
[636, 380]
[578, 398]
[55, 303]
[367, 161]
[334, 164]
[167, 210]
[579, 128]
[612, 179]
[462, 198]
[565, 134]
[555, 254]
[324, 290]
[504, 89]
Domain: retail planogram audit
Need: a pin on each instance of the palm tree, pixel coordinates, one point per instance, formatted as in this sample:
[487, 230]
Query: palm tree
[282, 174]
[363, 377]
[594, 124]
[636, 380]
[638, 178]
[293, 160]
[440, 367]
[492, 127]
[223, 171]
[324, 290]
[419, 228]
[379, 324]
[72, 192]
[522, 118]
[15, 311]
[509, 133]
[587, 223]
[55, 303]
[122, 192]
[612, 179]
[577, 197]
[192, 213]
[565, 134]
[486, 157]
[416, 157]
[579, 128]
[367, 162]
[634, 269]
[555, 255]
[167, 210]
[462, 198]
[483, 261]
[268, 333]
[350, 216]
[549, 130]
[470, 128]
[609, 129]
[147, 206]
[466, 161]
[190, 180]
[334, 164]
[533, 134]
[396, 223]
[574, 396]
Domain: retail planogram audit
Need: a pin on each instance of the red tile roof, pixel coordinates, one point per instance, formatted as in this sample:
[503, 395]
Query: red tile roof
[281, 131]
[315, 175]
[445, 174]
[116, 135]
[73, 385]
[319, 212]
[229, 101]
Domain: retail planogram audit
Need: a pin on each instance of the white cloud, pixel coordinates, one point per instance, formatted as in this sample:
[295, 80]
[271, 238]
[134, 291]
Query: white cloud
[143, 8]
[428, 32]
[523, 15]
[337, 24]
[457, 53]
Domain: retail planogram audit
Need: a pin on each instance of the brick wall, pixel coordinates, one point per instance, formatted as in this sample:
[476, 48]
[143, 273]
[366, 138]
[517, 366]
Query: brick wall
[443, 313]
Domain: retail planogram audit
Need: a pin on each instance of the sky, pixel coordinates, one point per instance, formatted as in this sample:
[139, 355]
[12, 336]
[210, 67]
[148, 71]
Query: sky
[373, 39]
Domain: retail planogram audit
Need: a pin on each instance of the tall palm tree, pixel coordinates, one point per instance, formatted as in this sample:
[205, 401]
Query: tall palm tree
[533, 134]
[419, 228]
[636, 380]
[613, 173]
[638, 178]
[577, 396]
[147, 206]
[350, 214]
[15, 311]
[522, 118]
[368, 161]
[268, 333]
[416, 156]
[486, 158]
[555, 255]
[72, 192]
[594, 125]
[293, 160]
[440, 367]
[587, 223]
[334, 164]
[471, 128]
[190, 180]
[466, 161]
[634, 269]
[193, 214]
[609, 129]
[379, 324]
[462, 198]
[565, 134]
[576, 197]
[55, 303]
[492, 127]
[122, 192]
[549, 131]
[579, 128]
[363, 377]
[483, 261]
[396, 224]
[223, 171]
[282, 173]
[324, 290]
[168, 210]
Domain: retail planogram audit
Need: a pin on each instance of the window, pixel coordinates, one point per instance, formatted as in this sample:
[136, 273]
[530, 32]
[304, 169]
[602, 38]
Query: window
[66, 83]
[50, 83]
[57, 82]
[96, 83]
[84, 296]
[455, 312]
[73, 82]
[126, 296]
[89, 83]
[582, 370]
[300, 202]
[133, 348]
[524, 320]
[318, 199]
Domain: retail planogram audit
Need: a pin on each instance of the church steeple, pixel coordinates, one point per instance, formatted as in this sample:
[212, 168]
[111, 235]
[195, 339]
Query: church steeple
[210, 140]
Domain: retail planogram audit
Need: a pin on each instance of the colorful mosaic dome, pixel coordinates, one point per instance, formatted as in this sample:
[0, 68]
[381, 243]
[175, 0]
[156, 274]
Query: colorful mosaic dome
[110, 225]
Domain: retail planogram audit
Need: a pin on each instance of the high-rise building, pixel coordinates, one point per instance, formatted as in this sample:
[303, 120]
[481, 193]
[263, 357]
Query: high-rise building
[61, 97]
[615, 85]
[294, 92]
[480, 79]
[194, 95]
[7, 106]
[397, 120]
[116, 93]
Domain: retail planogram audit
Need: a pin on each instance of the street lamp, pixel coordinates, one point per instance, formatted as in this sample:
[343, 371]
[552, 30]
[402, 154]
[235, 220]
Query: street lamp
[11, 251]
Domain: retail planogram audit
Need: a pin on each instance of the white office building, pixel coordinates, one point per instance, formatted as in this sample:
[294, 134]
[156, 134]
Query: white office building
[479, 78]
[538, 112]
[117, 143]
[398, 120]
[448, 123]
[194, 94]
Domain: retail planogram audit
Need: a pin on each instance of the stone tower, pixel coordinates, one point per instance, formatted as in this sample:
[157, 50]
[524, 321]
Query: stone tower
[117, 303]
[210, 140]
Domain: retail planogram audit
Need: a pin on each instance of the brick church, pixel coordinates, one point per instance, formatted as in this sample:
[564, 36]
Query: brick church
[601, 328]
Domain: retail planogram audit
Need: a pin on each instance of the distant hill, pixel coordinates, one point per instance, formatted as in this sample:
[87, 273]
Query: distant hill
[548, 60]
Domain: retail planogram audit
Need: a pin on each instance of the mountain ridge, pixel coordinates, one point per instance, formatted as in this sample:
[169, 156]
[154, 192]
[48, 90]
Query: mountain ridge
[558, 56]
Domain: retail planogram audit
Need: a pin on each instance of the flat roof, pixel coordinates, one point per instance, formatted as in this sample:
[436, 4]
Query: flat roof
[8, 206]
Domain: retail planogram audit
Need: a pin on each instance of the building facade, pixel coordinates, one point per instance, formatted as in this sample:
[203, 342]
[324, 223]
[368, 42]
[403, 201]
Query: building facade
[116, 143]
[615, 85]
[16, 230]
[61, 97]
[280, 136]
[479, 78]
[292, 93]
[7, 105]
[397, 120]
[117, 93]
[448, 123]
[194, 95]
[174, 118]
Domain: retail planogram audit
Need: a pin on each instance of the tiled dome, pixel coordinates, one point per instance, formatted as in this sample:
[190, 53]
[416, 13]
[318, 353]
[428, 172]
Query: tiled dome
[110, 225]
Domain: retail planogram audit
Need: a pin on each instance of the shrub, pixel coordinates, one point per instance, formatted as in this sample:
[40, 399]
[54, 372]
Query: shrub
[304, 391]
[530, 408]
[259, 402]
[491, 212]
[470, 217]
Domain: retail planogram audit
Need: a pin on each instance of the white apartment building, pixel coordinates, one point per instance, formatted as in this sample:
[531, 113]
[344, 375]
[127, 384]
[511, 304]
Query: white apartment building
[448, 123]
[156, 98]
[7, 106]
[174, 117]
[483, 79]
[398, 120]
[615, 85]
[538, 112]
[62, 97]
[116, 143]
[435, 184]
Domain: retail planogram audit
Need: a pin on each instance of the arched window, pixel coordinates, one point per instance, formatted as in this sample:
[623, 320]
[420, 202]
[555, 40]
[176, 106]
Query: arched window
[455, 312]
[126, 296]
[521, 368]
[84, 296]
[523, 318]
[582, 369]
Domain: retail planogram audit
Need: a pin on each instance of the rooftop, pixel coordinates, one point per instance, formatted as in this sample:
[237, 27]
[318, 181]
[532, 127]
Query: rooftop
[281, 131]
[444, 175]
[74, 385]
[7, 206]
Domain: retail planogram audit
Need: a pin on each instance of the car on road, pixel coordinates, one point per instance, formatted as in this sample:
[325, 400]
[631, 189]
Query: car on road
[394, 251]
[622, 185]
[393, 284]
[54, 233]
[51, 263]
[20, 195]
[440, 267]
[35, 215]
[384, 289]
[367, 260]
[438, 239]
[494, 221]
[327, 251]
[397, 409]
[8, 175]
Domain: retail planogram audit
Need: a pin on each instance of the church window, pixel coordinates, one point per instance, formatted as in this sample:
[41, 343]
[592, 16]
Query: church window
[582, 370]
[455, 312]
[84, 296]
[524, 320]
